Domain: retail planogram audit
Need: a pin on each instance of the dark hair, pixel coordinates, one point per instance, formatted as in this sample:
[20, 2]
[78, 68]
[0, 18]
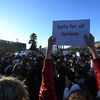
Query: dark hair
[12, 89]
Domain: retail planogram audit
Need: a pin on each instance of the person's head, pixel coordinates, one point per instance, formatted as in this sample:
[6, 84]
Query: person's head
[80, 95]
[17, 69]
[19, 72]
[12, 89]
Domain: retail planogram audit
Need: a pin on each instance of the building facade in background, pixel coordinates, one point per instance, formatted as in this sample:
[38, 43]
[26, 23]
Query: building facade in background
[9, 46]
[97, 45]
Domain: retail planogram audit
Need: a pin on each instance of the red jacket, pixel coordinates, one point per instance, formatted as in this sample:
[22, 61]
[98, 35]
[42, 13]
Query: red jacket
[96, 64]
[47, 90]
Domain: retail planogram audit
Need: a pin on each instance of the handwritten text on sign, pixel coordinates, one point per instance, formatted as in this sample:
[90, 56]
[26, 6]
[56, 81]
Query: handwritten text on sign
[71, 32]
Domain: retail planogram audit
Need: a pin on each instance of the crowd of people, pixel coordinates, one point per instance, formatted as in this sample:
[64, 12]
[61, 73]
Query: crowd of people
[51, 76]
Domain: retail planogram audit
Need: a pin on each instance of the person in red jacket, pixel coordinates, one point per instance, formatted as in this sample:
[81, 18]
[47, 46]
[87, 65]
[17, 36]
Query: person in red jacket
[47, 89]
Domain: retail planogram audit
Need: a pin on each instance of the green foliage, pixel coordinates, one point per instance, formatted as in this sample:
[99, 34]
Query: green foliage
[33, 42]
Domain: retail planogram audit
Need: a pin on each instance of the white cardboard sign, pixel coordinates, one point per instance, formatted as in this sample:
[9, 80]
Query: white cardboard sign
[71, 32]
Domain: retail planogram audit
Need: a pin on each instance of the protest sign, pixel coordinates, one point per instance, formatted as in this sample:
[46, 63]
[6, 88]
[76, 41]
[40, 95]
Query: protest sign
[70, 32]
